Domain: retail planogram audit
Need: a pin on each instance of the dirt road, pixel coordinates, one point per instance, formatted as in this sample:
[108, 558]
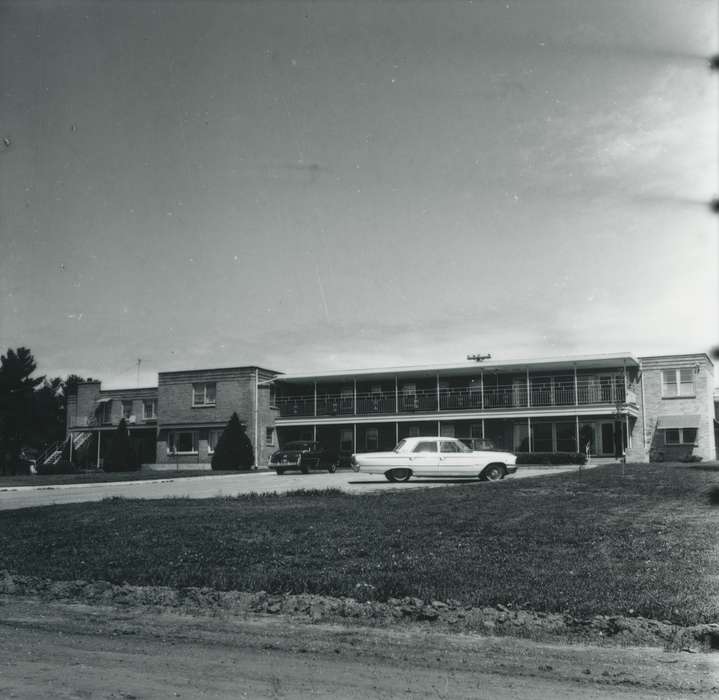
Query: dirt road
[213, 486]
[52, 650]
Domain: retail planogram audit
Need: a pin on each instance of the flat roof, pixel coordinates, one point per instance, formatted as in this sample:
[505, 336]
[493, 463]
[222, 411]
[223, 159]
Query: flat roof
[605, 360]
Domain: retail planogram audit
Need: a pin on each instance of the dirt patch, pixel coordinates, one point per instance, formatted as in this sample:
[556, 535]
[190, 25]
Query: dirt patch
[441, 615]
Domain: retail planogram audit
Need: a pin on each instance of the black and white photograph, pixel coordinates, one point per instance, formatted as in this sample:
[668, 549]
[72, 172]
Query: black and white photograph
[358, 349]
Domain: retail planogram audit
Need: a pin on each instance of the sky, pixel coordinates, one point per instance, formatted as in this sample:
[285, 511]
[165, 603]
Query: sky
[323, 185]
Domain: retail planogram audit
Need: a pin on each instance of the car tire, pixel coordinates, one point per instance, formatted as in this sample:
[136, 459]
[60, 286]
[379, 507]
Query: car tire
[398, 474]
[493, 472]
[332, 467]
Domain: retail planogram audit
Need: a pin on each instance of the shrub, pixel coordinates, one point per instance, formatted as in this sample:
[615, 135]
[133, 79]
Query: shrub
[713, 494]
[552, 459]
[234, 449]
[690, 459]
[120, 457]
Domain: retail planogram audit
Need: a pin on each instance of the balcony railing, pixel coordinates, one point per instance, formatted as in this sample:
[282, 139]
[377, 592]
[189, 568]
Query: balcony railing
[588, 392]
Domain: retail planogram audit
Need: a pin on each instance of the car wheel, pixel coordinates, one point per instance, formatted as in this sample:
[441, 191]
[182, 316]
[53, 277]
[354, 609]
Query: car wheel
[494, 472]
[398, 474]
[332, 467]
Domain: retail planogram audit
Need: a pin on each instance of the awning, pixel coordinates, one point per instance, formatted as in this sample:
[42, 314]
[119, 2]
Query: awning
[690, 420]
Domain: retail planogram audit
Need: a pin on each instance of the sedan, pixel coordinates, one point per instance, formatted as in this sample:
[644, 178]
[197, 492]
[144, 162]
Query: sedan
[303, 455]
[438, 457]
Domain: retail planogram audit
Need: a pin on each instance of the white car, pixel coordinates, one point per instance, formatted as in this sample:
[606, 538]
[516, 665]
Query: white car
[435, 456]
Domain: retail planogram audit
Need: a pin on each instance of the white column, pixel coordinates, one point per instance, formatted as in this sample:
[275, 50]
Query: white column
[576, 418]
[439, 431]
[529, 393]
[529, 433]
[396, 432]
[629, 435]
[314, 433]
[99, 434]
[71, 444]
[482, 428]
[354, 437]
[576, 389]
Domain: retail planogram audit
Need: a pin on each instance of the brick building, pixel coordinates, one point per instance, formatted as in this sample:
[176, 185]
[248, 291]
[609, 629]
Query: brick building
[649, 408]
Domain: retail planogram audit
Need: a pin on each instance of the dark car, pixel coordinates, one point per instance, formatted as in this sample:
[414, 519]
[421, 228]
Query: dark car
[303, 455]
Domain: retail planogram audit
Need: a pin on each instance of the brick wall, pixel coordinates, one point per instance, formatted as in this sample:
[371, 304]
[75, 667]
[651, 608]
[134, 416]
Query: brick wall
[648, 441]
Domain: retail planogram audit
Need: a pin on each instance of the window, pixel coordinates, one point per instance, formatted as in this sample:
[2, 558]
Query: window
[542, 437]
[425, 447]
[126, 409]
[106, 411]
[371, 440]
[269, 436]
[182, 442]
[204, 394]
[149, 409]
[677, 382]
[566, 437]
[680, 436]
[413, 431]
[447, 446]
[213, 437]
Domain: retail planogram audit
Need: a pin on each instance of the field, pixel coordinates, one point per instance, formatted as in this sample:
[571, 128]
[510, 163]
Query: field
[636, 540]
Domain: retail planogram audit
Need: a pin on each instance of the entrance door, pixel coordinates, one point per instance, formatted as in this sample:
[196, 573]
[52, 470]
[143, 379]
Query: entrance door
[587, 438]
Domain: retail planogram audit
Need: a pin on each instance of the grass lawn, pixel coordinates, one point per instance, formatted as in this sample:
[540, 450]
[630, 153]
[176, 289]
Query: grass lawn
[100, 477]
[643, 543]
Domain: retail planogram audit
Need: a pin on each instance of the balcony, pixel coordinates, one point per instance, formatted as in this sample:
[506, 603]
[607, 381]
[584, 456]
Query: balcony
[589, 391]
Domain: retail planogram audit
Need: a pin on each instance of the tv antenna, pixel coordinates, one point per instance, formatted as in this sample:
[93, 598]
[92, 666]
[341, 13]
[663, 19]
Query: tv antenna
[479, 358]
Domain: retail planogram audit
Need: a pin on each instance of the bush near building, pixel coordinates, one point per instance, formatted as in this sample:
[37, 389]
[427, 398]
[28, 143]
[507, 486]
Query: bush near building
[121, 457]
[234, 449]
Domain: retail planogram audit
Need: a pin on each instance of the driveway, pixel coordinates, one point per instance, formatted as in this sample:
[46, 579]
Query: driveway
[232, 485]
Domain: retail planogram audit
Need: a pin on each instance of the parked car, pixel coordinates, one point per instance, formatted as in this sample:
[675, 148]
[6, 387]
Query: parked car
[303, 455]
[435, 456]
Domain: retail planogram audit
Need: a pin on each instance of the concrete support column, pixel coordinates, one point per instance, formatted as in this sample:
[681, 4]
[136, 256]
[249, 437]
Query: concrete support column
[529, 433]
[99, 436]
[483, 428]
[354, 437]
[576, 419]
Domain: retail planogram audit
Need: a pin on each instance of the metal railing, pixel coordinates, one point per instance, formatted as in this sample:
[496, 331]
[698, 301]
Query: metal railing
[546, 394]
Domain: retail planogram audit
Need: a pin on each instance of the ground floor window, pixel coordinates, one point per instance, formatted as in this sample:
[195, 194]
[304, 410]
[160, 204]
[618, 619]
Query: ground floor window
[213, 437]
[182, 442]
[542, 437]
[269, 436]
[680, 436]
[371, 440]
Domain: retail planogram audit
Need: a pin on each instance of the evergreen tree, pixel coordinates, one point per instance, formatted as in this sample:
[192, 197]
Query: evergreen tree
[17, 391]
[234, 449]
[120, 457]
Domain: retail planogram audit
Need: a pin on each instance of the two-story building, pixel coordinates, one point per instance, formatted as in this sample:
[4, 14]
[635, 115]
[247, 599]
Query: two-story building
[179, 421]
[650, 408]
[609, 405]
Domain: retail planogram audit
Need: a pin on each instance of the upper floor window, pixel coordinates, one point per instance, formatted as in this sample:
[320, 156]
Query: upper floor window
[126, 409]
[204, 394]
[149, 408]
[678, 382]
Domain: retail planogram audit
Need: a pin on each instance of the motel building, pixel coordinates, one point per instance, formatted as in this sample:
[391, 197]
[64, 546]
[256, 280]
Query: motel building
[657, 408]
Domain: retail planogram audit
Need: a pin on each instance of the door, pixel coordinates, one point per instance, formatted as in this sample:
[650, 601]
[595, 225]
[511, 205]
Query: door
[346, 441]
[454, 462]
[608, 447]
[424, 459]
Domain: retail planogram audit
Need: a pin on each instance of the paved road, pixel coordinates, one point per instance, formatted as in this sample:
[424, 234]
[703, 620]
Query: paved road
[72, 651]
[213, 486]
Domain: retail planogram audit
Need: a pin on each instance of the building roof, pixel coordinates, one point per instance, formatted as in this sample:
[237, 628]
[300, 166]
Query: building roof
[607, 360]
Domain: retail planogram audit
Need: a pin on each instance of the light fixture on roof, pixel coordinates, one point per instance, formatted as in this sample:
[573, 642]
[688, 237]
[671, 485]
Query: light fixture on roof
[478, 358]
